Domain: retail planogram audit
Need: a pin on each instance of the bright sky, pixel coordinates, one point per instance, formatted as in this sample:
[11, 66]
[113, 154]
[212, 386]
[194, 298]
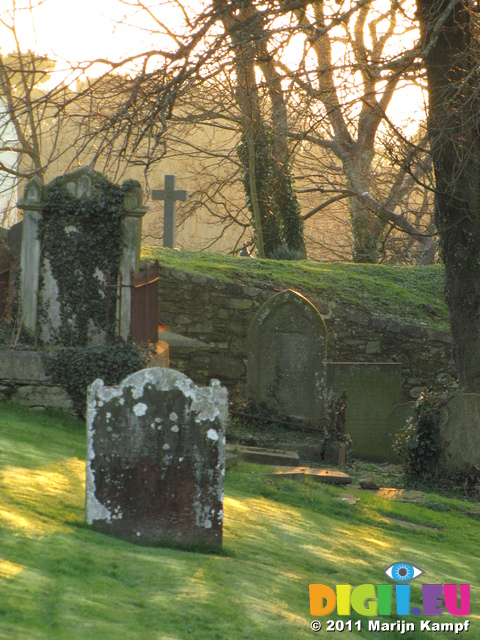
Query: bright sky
[79, 30]
[74, 29]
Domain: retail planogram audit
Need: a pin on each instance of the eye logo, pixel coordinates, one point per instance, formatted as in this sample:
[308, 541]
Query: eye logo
[403, 572]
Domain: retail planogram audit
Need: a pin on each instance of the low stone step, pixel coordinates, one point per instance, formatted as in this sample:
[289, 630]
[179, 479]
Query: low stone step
[331, 476]
[275, 457]
[230, 460]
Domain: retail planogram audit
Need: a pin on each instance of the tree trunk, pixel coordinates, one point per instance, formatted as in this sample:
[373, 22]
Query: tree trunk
[452, 74]
[284, 197]
[367, 227]
[255, 146]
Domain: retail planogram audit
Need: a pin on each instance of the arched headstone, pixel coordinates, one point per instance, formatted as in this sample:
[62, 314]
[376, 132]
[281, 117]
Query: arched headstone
[286, 357]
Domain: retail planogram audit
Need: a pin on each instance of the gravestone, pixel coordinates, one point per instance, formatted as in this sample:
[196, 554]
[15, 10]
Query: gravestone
[169, 195]
[156, 458]
[286, 357]
[374, 409]
[39, 289]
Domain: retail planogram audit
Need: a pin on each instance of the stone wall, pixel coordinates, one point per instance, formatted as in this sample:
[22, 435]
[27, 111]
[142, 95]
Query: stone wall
[23, 380]
[219, 313]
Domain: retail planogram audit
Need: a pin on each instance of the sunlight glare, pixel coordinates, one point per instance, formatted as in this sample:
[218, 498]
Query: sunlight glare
[9, 569]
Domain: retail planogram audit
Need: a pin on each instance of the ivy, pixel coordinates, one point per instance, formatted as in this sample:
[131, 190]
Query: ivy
[335, 431]
[417, 445]
[82, 240]
[75, 368]
[271, 228]
[282, 224]
[289, 209]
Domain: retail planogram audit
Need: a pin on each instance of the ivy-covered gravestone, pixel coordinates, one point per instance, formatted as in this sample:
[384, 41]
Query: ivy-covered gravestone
[80, 243]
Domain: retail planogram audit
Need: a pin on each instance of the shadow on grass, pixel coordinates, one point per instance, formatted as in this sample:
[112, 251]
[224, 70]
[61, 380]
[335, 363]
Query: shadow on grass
[59, 580]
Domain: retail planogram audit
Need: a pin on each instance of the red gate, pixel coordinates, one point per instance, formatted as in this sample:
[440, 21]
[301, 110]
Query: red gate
[144, 315]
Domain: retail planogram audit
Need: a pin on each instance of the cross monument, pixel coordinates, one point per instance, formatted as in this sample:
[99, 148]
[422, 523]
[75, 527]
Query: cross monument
[169, 195]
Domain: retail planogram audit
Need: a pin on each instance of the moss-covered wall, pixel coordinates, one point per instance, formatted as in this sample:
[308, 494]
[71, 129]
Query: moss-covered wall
[219, 313]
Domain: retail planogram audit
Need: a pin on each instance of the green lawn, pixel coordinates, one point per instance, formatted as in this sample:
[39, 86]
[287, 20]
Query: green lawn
[410, 294]
[61, 580]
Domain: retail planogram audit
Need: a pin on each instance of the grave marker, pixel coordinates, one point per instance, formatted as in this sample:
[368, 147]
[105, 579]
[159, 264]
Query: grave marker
[374, 410]
[169, 195]
[43, 292]
[156, 458]
[286, 358]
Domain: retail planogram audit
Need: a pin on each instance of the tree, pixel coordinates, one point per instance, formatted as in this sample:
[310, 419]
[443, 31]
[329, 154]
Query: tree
[308, 104]
[20, 76]
[450, 46]
[122, 120]
[263, 150]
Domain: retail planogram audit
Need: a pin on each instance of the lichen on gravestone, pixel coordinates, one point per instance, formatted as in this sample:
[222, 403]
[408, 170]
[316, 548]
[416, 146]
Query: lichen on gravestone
[156, 458]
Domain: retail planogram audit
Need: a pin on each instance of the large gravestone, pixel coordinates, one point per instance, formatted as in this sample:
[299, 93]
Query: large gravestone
[286, 357]
[156, 458]
[374, 411]
[40, 301]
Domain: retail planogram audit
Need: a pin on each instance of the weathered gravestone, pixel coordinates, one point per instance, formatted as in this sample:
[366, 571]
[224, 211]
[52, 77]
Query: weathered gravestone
[374, 410]
[286, 357]
[156, 458]
[72, 235]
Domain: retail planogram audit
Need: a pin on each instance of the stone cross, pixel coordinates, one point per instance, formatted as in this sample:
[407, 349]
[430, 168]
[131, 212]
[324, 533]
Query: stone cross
[169, 195]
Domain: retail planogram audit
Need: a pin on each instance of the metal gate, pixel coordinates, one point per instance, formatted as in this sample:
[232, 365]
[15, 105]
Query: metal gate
[144, 314]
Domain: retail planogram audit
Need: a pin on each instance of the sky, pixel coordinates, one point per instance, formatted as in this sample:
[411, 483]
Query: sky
[72, 31]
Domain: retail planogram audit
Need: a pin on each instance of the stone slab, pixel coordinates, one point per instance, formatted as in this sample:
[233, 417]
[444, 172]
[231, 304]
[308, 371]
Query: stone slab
[22, 366]
[400, 495]
[329, 476]
[176, 341]
[43, 397]
[347, 497]
[410, 525]
[265, 456]
[374, 411]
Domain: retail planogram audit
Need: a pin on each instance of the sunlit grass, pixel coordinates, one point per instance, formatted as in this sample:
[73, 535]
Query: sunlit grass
[59, 580]
[409, 294]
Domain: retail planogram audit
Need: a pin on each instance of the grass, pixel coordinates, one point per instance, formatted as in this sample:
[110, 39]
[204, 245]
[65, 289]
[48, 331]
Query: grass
[409, 294]
[61, 580]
